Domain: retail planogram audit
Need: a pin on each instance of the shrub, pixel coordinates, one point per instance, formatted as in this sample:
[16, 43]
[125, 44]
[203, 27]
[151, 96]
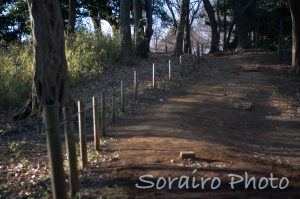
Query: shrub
[88, 55]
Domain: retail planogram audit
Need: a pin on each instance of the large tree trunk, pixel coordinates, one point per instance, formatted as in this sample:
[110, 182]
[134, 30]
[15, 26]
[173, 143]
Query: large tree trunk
[141, 49]
[126, 43]
[50, 79]
[242, 32]
[149, 22]
[240, 9]
[72, 17]
[180, 29]
[214, 45]
[295, 10]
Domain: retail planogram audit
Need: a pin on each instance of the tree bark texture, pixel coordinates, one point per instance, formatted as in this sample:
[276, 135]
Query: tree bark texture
[141, 49]
[180, 29]
[214, 45]
[72, 17]
[50, 79]
[149, 22]
[240, 9]
[295, 10]
[126, 43]
[187, 47]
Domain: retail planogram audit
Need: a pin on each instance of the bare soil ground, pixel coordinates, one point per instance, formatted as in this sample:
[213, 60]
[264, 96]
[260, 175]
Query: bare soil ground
[235, 118]
[240, 116]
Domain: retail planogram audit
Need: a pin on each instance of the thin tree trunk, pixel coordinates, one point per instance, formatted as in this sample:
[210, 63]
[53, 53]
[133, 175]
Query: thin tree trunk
[280, 36]
[126, 43]
[172, 13]
[149, 22]
[180, 29]
[140, 44]
[97, 24]
[224, 26]
[295, 10]
[72, 16]
[187, 47]
[230, 32]
[214, 45]
[257, 32]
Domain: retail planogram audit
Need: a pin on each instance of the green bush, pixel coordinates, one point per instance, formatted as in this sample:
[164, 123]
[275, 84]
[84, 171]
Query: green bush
[15, 73]
[88, 55]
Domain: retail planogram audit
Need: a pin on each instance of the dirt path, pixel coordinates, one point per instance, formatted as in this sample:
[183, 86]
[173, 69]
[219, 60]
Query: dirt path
[236, 119]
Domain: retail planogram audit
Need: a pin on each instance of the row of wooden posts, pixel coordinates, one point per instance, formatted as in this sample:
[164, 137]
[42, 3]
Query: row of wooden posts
[99, 128]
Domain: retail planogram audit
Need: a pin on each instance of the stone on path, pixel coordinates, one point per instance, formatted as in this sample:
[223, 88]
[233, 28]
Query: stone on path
[187, 155]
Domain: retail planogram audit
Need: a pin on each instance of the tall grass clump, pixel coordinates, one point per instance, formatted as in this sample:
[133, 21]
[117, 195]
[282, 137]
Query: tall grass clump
[88, 55]
[16, 66]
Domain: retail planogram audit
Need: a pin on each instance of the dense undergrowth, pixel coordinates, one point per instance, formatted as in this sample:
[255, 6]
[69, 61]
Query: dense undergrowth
[88, 55]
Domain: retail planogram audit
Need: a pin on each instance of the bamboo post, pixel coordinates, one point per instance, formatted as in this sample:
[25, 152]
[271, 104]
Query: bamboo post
[170, 77]
[122, 98]
[113, 106]
[153, 77]
[135, 82]
[71, 151]
[96, 124]
[103, 113]
[51, 118]
[82, 135]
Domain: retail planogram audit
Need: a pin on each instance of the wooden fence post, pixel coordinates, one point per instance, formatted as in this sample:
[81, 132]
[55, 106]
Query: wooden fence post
[180, 65]
[198, 52]
[71, 151]
[96, 124]
[153, 77]
[122, 98]
[170, 77]
[51, 118]
[103, 114]
[113, 106]
[180, 61]
[135, 82]
[82, 134]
